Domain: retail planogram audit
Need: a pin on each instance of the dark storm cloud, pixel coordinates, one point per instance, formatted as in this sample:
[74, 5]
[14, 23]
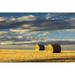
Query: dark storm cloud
[41, 25]
[38, 24]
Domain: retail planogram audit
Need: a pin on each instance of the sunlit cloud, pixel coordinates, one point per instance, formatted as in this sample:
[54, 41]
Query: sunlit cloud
[19, 30]
[3, 19]
[17, 19]
[26, 18]
[26, 26]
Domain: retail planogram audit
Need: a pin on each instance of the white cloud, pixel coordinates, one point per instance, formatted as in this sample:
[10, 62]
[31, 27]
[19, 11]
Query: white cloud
[26, 25]
[17, 19]
[45, 33]
[19, 37]
[48, 16]
[3, 19]
[69, 30]
[70, 19]
[73, 18]
[65, 30]
[12, 18]
[19, 30]
[26, 18]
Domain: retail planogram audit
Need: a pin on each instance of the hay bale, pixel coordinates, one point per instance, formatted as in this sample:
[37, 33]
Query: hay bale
[56, 48]
[39, 47]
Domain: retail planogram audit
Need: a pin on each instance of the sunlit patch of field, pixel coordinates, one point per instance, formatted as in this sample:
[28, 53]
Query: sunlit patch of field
[32, 55]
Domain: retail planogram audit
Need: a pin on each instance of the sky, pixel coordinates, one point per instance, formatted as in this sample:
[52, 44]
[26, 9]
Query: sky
[36, 27]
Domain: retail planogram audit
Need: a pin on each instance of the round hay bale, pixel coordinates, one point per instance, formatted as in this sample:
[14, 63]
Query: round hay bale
[39, 47]
[56, 48]
[49, 48]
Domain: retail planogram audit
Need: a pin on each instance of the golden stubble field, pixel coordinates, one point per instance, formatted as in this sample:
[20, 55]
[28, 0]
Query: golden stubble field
[37, 56]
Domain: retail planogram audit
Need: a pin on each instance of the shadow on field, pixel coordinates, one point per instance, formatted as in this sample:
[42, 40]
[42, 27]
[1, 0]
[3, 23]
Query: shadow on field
[45, 60]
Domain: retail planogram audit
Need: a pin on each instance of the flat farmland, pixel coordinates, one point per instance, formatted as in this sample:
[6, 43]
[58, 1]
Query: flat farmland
[18, 54]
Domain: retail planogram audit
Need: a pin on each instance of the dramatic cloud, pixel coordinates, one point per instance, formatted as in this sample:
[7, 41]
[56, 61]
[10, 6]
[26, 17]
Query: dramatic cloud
[17, 19]
[30, 29]
[31, 23]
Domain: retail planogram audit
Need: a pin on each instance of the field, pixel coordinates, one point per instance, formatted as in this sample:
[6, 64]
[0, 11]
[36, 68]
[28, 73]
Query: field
[32, 56]
[16, 53]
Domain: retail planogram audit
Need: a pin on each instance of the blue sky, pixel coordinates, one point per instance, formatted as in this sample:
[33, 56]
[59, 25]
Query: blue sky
[36, 27]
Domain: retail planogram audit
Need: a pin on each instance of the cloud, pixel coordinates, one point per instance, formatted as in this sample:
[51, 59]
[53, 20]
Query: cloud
[3, 33]
[70, 19]
[17, 19]
[11, 19]
[48, 16]
[28, 29]
[26, 26]
[50, 25]
[21, 18]
[19, 30]
[31, 23]
[16, 22]
[62, 39]
[26, 18]
[6, 43]
[43, 25]
[2, 19]
[68, 30]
